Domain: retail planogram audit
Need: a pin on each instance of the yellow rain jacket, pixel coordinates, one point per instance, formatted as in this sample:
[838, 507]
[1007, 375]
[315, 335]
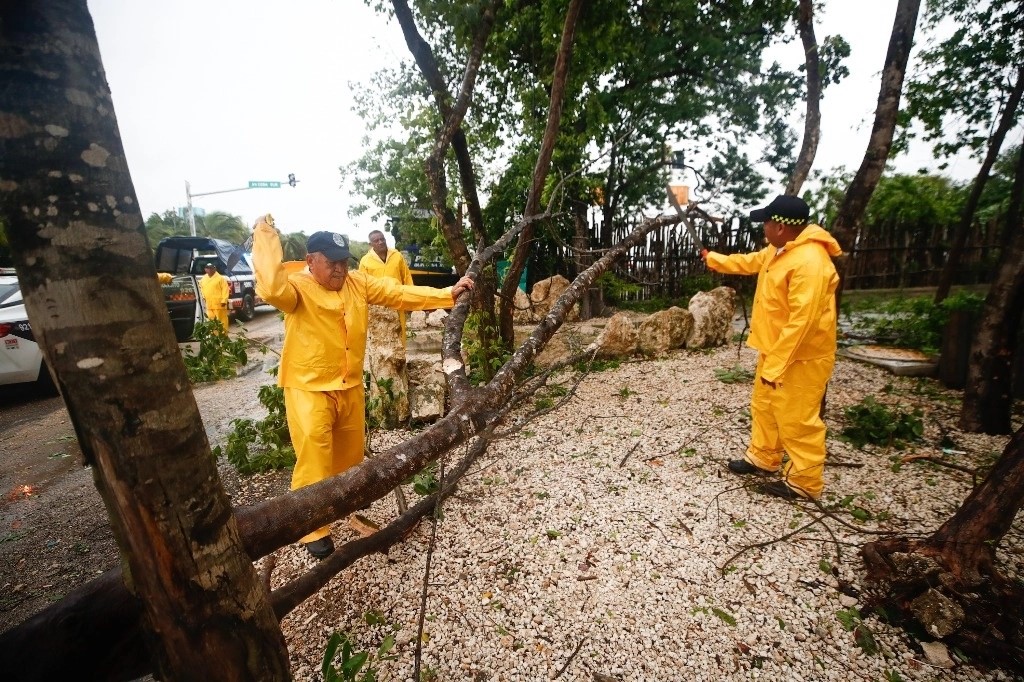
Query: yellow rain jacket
[393, 266]
[325, 331]
[794, 316]
[216, 292]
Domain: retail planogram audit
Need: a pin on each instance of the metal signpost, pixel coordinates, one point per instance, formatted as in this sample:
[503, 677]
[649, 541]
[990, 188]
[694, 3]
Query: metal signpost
[253, 184]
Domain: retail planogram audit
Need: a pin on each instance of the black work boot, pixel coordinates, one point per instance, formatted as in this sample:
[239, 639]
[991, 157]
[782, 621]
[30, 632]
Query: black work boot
[322, 548]
[778, 489]
[743, 467]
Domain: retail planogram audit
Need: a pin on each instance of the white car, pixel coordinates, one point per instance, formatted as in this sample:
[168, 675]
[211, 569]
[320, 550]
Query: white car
[21, 360]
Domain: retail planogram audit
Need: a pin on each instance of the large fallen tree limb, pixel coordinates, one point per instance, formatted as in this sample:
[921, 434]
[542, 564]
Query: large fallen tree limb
[98, 623]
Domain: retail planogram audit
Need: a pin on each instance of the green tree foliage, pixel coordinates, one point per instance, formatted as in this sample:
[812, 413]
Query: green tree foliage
[963, 77]
[216, 224]
[294, 246]
[256, 446]
[910, 201]
[642, 75]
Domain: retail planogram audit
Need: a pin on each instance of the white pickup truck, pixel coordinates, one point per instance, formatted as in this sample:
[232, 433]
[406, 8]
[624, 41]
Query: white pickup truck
[185, 258]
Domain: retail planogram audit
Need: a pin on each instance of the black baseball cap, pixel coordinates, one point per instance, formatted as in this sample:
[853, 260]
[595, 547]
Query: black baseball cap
[784, 209]
[334, 246]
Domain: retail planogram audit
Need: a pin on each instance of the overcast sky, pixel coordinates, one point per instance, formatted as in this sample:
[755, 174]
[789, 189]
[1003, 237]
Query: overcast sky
[221, 92]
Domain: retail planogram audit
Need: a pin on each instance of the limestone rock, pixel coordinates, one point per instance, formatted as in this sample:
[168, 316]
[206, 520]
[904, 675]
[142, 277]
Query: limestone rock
[619, 338]
[910, 568]
[712, 317]
[417, 320]
[523, 311]
[937, 654]
[385, 361]
[940, 615]
[664, 331]
[546, 292]
[427, 389]
[436, 318]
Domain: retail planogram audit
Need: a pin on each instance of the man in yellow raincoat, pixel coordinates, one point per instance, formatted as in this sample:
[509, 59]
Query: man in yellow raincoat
[216, 292]
[381, 261]
[794, 329]
[321, 368]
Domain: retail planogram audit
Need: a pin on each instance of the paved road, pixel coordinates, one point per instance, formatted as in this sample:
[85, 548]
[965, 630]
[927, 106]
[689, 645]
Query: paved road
[37, 440]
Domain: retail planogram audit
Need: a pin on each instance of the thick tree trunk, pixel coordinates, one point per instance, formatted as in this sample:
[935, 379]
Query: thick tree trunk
[988, 394]
[812, 119]
[948, 583]
[89, 283]
[1006, 122]
[540, 172]
[844, 229]
[967, 542]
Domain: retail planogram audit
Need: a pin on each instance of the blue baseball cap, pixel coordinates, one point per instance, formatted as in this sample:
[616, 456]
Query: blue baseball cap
[334, 246]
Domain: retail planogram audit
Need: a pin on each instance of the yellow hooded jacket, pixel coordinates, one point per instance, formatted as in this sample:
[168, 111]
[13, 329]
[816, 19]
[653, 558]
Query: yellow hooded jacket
[394, 266]
[794, 315]
[325, 331]
[215, 291]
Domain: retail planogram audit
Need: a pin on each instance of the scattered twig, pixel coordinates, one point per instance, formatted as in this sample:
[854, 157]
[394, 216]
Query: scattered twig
[626, 456]
[568, 661]
[418, 658]
[769, 543]
[941, 462]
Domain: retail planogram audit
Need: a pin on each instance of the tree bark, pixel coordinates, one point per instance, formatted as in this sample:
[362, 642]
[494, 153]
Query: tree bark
[812, 119]
[967, 541]
[954, 569]
[988, 394]
[540, 172]
[1006, 122]
[844, 229]
[452, 135]
[89, 284]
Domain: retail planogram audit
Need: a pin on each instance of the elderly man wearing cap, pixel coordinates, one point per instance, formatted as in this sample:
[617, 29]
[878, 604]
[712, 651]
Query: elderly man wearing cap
[321, 368]
[794, 329]
[215, 292]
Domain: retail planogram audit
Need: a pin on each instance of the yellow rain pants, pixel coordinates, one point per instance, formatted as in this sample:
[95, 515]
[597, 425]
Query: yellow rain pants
[786, 419]
[327, 430]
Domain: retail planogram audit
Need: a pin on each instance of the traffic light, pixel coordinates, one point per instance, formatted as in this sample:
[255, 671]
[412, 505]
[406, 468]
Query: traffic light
[291, 179]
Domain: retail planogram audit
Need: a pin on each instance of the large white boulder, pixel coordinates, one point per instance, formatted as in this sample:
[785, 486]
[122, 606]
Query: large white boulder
[546, 292]
[618, 339]
[712, 313]
[664, 330]
[427, 389]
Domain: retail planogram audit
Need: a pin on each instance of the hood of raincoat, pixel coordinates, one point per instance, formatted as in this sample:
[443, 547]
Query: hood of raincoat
[816, 233]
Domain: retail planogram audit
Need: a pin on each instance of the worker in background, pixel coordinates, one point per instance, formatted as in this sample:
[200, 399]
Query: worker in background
[794, 330]
[215, 291]
[381, 261]
[321, 371]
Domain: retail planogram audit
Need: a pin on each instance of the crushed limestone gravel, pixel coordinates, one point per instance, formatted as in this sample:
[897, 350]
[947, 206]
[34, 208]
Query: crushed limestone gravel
[607, 540]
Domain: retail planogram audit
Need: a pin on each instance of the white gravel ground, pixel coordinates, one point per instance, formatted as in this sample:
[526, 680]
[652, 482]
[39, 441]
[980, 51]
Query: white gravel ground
[607, 540]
